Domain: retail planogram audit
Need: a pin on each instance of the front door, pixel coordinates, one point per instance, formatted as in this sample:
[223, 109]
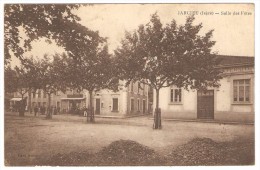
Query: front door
[144, 106]
[98, 106]
[205, 108]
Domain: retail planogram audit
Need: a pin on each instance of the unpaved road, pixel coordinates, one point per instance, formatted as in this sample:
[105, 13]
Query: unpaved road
[29, 137]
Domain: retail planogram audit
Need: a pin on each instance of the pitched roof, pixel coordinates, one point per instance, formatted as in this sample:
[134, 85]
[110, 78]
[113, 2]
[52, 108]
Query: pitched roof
[227, 60]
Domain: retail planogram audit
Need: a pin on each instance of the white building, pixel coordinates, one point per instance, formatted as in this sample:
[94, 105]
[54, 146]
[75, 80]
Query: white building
[127, 101]
[233, 101]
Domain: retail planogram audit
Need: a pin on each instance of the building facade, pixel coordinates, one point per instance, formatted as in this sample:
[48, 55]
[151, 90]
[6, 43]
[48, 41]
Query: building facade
[233, 101]
[127, 101]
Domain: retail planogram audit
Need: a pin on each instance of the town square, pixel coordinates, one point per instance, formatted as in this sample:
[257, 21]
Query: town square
[129, 85]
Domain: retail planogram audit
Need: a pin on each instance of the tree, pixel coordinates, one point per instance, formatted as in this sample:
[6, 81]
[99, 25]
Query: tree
[171, 55]
[92, 72]
[10, 79]
[43, 20]
[51, 77]
[22, 80]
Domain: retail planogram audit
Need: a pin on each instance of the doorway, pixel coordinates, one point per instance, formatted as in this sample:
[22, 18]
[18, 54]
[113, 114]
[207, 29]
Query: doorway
[144, 106]
[97, 106]
[205, 105]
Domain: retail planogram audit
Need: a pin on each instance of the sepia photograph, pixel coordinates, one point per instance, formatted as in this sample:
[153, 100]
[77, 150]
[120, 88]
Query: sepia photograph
[153, 84]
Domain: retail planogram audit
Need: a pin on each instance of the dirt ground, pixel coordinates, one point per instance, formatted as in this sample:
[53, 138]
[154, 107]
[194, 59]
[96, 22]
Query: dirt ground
[29, 137]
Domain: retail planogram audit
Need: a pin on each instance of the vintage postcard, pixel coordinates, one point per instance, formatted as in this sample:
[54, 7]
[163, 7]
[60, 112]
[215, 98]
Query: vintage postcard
[165, 84]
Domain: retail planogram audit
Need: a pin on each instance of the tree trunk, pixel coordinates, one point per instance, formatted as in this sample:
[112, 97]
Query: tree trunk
[30, 101]
[90, 117]
[21, 108]
[157, 114]
[49, 114]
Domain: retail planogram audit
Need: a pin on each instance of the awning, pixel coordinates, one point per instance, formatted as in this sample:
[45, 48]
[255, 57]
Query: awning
[73, 98]
[16, 99]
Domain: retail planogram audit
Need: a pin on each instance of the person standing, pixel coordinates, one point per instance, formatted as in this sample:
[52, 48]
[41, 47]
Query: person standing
[55, 110]
[43, 110]
[35, 110]
[85, 112]
[58, 110]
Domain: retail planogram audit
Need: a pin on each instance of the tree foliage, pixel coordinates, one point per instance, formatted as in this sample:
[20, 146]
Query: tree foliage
[93, 71]
[171, 55]
[22, 79]
[10, 79]
[87, 55]
[51, 76]
[161, 56]
[53, 21]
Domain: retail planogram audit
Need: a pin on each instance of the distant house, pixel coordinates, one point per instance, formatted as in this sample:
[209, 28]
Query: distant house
[131, 100]
[9, 101]
[13, 101]
[233, 101]
[128, 101]
[64, 102]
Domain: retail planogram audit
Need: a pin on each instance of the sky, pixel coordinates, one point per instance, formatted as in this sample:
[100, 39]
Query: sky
[234, 34]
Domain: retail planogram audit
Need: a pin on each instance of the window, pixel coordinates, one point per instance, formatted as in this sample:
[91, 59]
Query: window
[132, 86]
[44, 94]
[241, 90]
[33, 94]
[144, 89]
[132, 105]
[138, 89]
[144, 106]
[115, 104]
[39, 93]
[138, 105]
[140, 108]
[175, 96]
[58, 104]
